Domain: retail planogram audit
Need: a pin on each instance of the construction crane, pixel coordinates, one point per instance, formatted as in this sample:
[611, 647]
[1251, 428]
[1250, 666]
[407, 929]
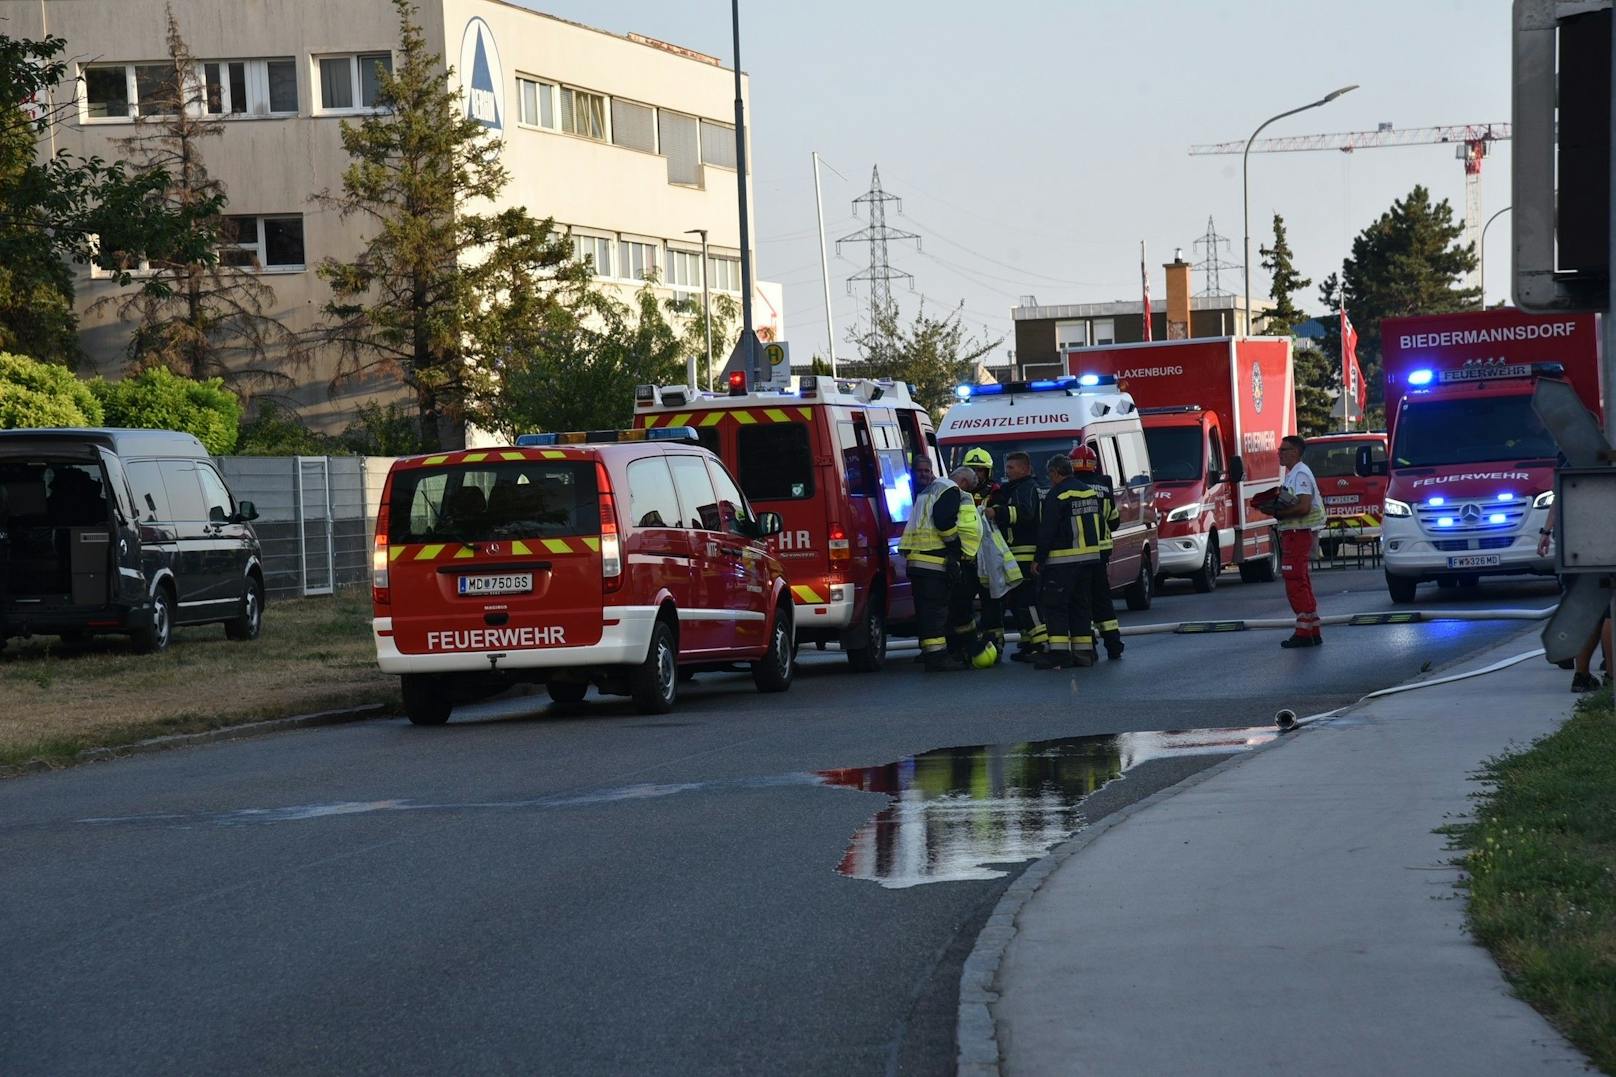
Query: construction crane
[1471, 141]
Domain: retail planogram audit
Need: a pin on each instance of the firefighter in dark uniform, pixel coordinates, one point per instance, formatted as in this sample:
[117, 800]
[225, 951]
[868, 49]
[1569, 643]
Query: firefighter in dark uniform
[939, 546]
[980, 461]
[1015, 509]
[1086, 465]
[1068, 559]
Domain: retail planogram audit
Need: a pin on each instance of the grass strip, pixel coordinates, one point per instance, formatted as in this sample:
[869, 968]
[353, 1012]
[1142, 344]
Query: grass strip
[1541, 860]
[58, 699]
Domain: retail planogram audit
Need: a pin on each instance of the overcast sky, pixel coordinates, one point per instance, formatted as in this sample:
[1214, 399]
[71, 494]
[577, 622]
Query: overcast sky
[1035, 143]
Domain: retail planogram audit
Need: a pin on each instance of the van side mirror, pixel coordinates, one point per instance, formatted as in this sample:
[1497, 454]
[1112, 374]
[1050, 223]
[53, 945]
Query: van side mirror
[1366, 466]
[217, 515]
[1237, 470]
[768, 523]
[246, 510]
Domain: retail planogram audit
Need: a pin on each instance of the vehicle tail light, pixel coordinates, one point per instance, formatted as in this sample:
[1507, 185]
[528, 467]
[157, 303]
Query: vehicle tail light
[611, 548]
[381, 589]
[838, 546]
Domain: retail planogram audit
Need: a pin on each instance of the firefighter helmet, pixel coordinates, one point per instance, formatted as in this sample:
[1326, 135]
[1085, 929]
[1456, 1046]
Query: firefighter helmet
[1084, 459]
[986, 658]
[978, 457]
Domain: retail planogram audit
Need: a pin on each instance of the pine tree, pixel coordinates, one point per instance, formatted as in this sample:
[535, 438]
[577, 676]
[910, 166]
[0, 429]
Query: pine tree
[63, 209]
[418, 302]
[200, 312]
[1410, 261]
[1311, 372]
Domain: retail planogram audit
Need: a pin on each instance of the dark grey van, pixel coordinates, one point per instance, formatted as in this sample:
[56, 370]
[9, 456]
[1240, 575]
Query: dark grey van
[130, 531]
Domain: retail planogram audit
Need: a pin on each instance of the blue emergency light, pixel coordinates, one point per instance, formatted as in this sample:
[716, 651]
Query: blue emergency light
[1506, 497]
[1444, 521]
[1090, 379]
[1497, 518]
[1421, 377]
[1435, 501]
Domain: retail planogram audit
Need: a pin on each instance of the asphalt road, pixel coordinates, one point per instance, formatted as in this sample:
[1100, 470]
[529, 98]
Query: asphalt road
[585, 890]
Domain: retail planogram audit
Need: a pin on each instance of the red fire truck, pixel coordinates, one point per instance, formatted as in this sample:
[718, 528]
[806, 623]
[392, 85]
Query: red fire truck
[832, 458]
[1352, 502]
[1471, 469]
[1213, 410]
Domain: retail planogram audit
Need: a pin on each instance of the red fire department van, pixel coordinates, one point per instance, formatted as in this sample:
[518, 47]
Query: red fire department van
[1214, 410]
[613, 558]
[1471, 469]
[1352, 502]
[1046, 418]
[832, 458]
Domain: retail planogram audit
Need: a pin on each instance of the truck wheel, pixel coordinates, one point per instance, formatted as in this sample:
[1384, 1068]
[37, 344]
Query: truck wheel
[873, 655]
[154, 637]
[567, 691]
[1140, 592]
[1264, 571]
[654, 683]
[1206, 577]
[425, 702]
[772, 672]
[1402, 588]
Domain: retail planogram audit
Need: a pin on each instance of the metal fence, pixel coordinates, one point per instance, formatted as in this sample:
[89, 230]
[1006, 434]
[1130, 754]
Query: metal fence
[316, 515]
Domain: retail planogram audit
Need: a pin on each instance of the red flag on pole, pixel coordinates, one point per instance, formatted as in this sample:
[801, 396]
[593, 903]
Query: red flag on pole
[1352, 381]
[1144, 283]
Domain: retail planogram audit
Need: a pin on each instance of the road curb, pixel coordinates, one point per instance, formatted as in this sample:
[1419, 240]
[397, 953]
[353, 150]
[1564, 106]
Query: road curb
[338, 716]
[976, 1039]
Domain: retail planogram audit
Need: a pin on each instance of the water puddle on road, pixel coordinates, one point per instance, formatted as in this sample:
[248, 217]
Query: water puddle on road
[956, 811]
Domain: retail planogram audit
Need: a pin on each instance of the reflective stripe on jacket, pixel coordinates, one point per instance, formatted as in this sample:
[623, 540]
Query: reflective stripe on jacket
[1077, 523]
[935, 525]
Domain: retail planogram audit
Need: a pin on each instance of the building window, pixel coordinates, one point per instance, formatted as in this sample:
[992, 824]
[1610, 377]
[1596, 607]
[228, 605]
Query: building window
[596, 250]
[636, 260]
[126, 263]
[1069, 335]
[262, 243]
[349, 83]
[726, 274]
[717, 144]
[583, 113]
[684, 268]
[680, 143]
[251, 87]
[537, 102]
[633, 125]
[125, 91]
[1105, 331]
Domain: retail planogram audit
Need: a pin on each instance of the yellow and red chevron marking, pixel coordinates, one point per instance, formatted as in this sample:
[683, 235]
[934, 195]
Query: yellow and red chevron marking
[1357, 520]
[460, 551]
[740, 416]
[489, 456]
[808, 596]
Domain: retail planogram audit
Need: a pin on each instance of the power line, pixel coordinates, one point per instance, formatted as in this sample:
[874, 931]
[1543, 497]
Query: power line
[880, 274]
[1006, 265]
[1210, 266]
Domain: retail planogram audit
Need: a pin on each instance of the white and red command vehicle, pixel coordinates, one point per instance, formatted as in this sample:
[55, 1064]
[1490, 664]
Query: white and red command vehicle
[1471, 469]
[1047, 418]
[1352, 502]
[613, 558]
[832, 458]
[1214, 410]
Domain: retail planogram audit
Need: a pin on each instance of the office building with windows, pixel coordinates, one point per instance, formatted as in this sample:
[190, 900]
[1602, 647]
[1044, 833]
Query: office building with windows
[625, 141]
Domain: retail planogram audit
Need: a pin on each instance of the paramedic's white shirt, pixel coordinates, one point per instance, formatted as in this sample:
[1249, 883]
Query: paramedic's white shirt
[1299, 480]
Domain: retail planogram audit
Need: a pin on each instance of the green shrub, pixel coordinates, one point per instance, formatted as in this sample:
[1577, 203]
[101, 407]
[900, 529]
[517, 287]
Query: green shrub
[277, 431]
[33, 393]
[379, 431]
[158, 399]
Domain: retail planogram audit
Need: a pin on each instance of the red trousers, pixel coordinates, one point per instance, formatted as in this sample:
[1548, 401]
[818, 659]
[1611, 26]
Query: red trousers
[1295, 550]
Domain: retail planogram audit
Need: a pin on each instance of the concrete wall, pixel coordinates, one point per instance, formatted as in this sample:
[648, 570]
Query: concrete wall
[272, 165]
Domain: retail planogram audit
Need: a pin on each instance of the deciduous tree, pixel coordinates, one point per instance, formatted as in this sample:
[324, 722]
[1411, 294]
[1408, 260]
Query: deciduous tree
[933, 355]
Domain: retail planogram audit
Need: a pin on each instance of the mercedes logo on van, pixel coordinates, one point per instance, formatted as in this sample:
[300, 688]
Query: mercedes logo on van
[1256, 387]
[1470, 514]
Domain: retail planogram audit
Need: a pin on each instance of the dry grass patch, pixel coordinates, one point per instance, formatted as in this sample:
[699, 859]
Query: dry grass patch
[57, 699]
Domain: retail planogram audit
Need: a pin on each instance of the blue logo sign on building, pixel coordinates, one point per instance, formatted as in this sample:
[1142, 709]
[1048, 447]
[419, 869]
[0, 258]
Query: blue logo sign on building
[482, 79]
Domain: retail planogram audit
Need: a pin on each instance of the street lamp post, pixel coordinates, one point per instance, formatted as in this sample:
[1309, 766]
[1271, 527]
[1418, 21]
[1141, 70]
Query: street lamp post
[749, 348]
[1481, 256]
[1245, 184]
[706, 314]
